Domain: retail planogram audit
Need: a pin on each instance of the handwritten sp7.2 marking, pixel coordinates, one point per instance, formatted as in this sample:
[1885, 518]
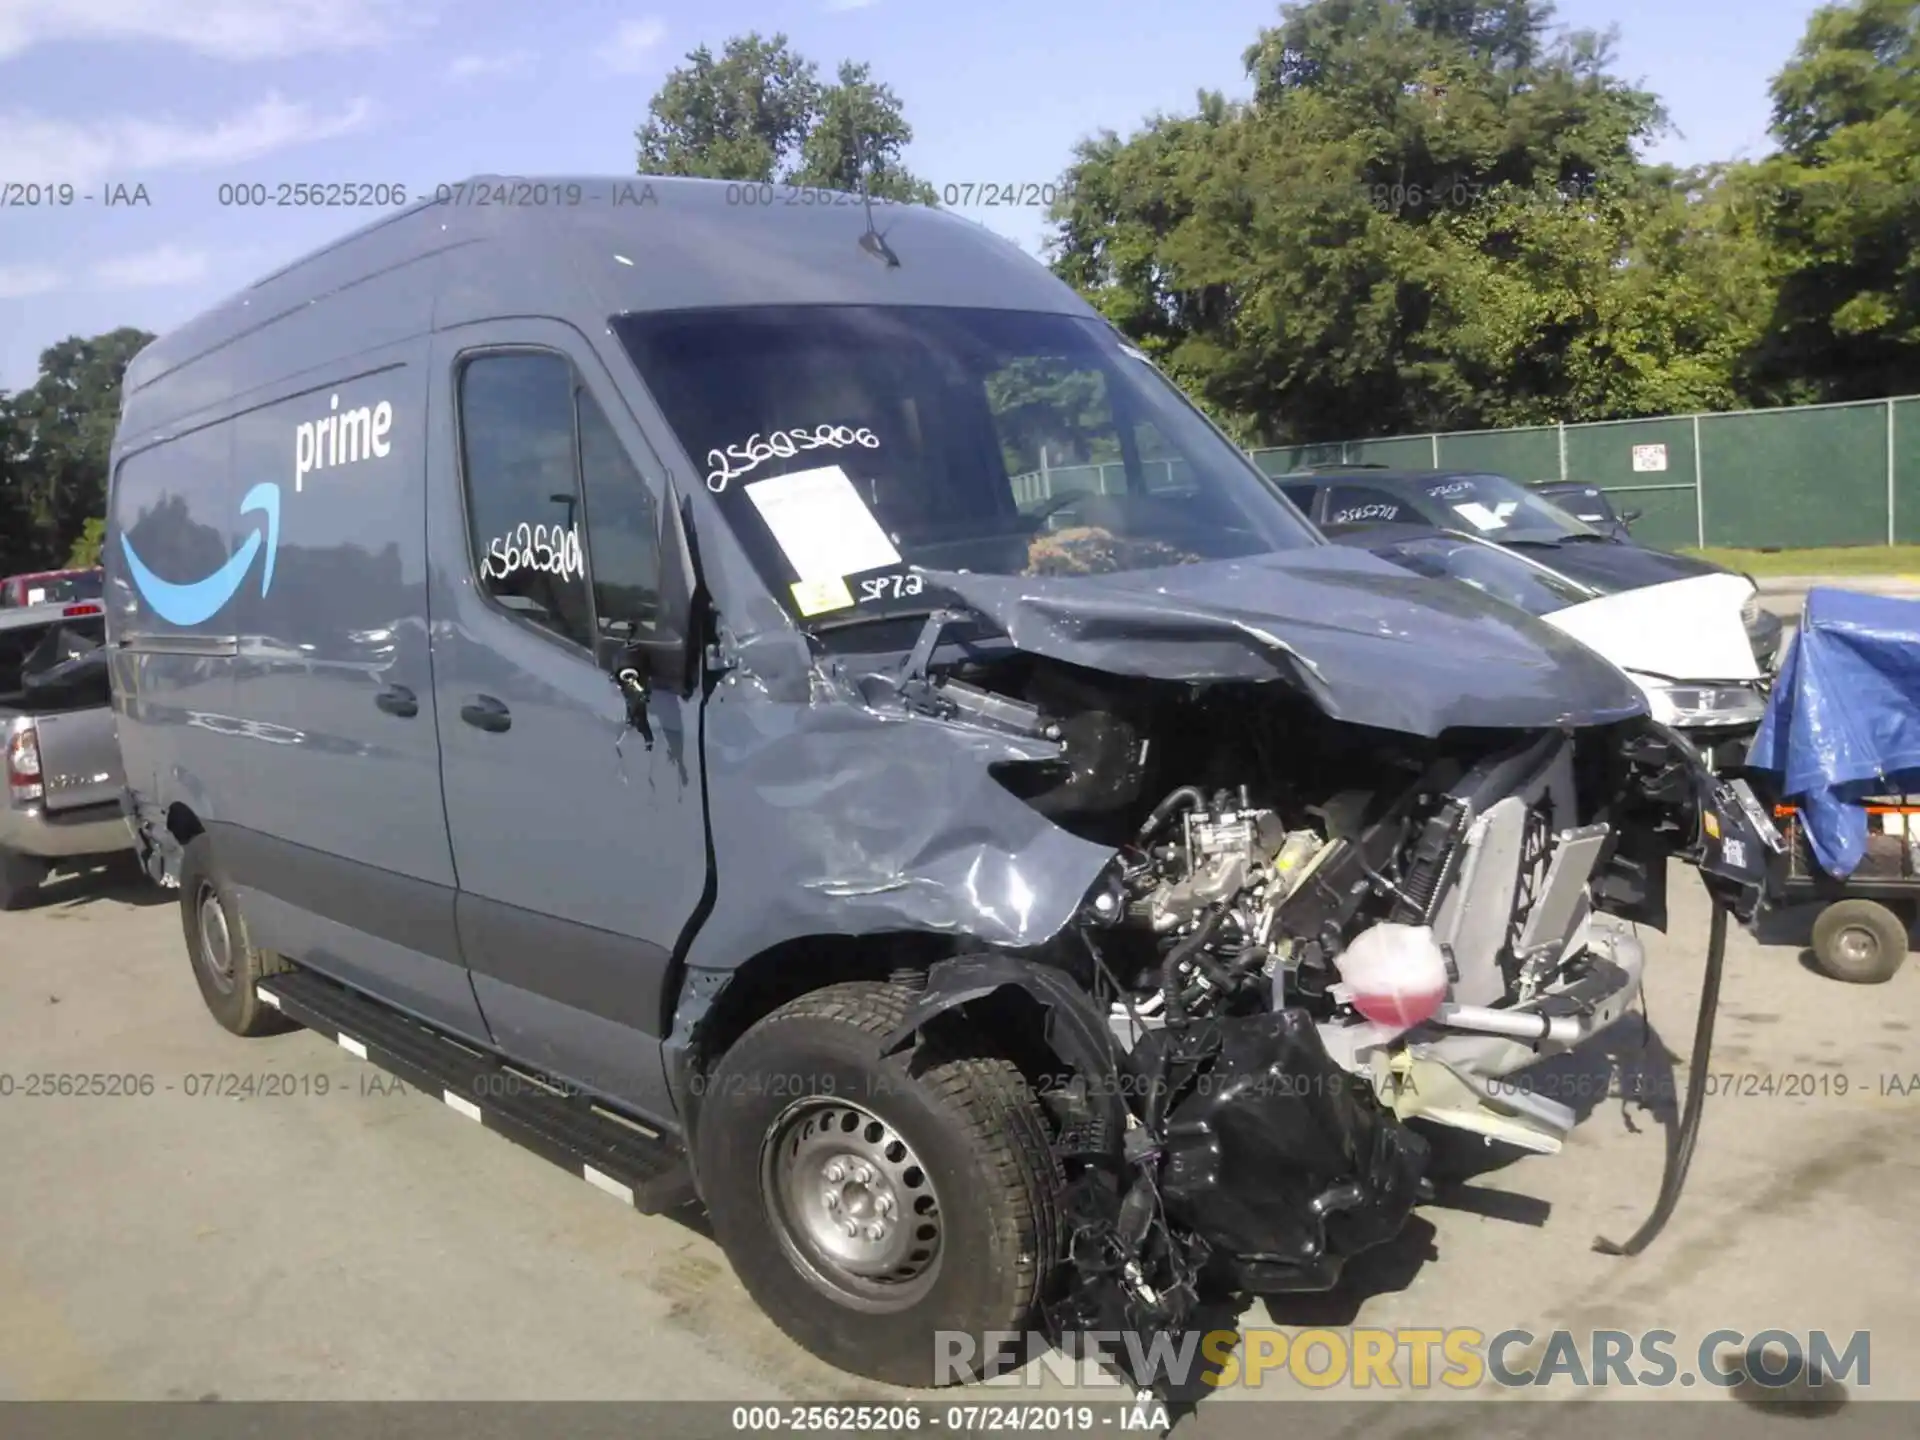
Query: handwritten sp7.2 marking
[890, 587]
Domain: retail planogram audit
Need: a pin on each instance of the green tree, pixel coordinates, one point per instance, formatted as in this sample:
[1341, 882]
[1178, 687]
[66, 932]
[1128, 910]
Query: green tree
[860, 130]
[1431, 213]
[1839, 205]
[15, 532]
[55, 440]
[86, 548]
[759, 112]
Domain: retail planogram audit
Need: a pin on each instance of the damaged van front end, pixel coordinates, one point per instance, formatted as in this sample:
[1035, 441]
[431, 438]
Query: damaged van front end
[1261, 854]
[1271, 890]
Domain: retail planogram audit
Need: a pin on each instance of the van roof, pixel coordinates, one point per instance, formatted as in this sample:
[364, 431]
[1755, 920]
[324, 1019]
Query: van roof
[582, 248]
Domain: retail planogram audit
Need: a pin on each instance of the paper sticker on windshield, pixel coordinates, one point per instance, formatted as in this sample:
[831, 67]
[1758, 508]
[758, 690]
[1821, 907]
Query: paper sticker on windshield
[1487, 517]
[816, 597]
[821, 524]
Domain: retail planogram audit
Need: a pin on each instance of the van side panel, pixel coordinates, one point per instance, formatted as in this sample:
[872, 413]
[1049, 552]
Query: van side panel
[173, 524]
[339, 841]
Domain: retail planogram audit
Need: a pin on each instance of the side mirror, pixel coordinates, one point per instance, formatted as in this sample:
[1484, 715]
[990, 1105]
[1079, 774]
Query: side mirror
[1627, 517]
[660, 653]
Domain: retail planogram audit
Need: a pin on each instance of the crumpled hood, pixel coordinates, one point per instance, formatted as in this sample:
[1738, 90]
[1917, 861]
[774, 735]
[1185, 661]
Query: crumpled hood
[1618, 565]
[1370, 643]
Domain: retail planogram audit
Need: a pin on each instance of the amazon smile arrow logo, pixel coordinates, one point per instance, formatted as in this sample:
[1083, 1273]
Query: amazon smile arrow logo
[190, 604]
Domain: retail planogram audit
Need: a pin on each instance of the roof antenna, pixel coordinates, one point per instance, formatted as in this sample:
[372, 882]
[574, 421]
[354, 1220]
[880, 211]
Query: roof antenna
[874, 242]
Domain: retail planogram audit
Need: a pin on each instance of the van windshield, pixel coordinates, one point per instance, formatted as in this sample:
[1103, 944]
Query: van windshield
[849, 446]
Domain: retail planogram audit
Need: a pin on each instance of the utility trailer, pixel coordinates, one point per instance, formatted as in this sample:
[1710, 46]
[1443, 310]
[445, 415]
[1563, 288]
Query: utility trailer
[1838, 754]
[1862, 932]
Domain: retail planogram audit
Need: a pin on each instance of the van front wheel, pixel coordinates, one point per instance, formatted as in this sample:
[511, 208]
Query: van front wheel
[225, 963]
[888, 1214]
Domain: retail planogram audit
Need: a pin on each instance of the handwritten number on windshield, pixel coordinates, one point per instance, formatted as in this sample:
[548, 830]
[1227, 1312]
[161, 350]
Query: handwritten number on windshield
[737, 460]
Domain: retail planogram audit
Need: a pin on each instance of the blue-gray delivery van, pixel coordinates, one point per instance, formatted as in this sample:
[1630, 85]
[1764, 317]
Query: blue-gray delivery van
[769, 699]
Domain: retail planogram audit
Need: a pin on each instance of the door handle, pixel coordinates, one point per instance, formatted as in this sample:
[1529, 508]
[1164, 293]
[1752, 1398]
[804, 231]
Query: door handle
[398, 700]
[486, 713]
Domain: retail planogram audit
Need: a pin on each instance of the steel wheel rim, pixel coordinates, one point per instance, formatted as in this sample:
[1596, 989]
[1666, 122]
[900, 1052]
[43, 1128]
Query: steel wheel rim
[827, 1165]
[1857, 945]
[216, 940]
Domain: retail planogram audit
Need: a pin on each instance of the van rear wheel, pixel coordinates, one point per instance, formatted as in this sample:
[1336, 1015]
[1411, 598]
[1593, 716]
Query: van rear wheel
[225, 963]
[887, 1214]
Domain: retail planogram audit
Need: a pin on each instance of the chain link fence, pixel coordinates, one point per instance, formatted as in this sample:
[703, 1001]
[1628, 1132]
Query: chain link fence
[1780, 479]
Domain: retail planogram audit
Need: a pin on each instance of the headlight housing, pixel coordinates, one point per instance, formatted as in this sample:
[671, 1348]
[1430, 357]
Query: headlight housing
[1686, 705]
[1750, 611]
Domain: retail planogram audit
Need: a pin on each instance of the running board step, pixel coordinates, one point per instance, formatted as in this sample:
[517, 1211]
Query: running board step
[627, 1159]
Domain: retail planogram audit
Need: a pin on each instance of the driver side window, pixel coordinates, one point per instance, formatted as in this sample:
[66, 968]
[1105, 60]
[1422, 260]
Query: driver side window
[564, 530]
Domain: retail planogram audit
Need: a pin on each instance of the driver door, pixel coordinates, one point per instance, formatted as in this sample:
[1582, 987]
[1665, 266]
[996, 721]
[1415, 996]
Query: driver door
[579, 849]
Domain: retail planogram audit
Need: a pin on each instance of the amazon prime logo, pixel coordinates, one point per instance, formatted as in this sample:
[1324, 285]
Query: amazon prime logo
[342, 437]
[191, 603]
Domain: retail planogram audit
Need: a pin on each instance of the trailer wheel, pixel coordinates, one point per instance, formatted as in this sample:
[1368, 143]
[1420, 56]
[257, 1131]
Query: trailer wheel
[878, 1210]
[20, 877]
[225, 963]
[1859, 941]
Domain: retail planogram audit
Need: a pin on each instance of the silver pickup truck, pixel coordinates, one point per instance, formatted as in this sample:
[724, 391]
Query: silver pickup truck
[58, 748]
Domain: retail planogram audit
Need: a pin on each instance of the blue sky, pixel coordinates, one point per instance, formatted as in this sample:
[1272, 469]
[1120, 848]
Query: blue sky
[183, 96]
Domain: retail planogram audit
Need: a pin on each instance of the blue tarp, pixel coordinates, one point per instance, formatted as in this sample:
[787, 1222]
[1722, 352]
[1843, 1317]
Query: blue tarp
[1843, 723]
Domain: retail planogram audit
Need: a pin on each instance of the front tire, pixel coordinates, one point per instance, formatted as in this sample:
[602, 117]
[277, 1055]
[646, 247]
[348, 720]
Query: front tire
[878, 1210]
[225, 963]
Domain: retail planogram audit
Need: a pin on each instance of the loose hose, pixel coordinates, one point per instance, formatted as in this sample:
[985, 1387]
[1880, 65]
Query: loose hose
[1681, 1155]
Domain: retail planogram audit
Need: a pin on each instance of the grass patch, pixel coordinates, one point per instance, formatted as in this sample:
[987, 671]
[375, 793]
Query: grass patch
[1838, 560]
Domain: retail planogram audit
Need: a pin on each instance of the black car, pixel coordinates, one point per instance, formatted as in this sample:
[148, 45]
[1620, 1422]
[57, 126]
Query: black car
[1496, 508]
[1588, 503]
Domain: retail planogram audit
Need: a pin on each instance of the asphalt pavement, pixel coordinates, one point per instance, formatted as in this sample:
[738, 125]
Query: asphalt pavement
[334, 1235]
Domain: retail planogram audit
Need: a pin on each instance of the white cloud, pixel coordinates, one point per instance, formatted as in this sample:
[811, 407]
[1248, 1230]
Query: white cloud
[850, 4]
[130, 149]
[472, 67]
[230, 29]
[633, 44]
[168, 265]
[19, 281]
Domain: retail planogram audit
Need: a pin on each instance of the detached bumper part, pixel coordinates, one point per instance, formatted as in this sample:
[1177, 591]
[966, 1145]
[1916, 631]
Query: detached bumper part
[1282, 1162]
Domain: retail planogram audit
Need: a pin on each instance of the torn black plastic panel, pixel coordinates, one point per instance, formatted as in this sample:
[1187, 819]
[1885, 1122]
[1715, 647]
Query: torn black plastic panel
[1268, 1169]
[1284, 1163]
